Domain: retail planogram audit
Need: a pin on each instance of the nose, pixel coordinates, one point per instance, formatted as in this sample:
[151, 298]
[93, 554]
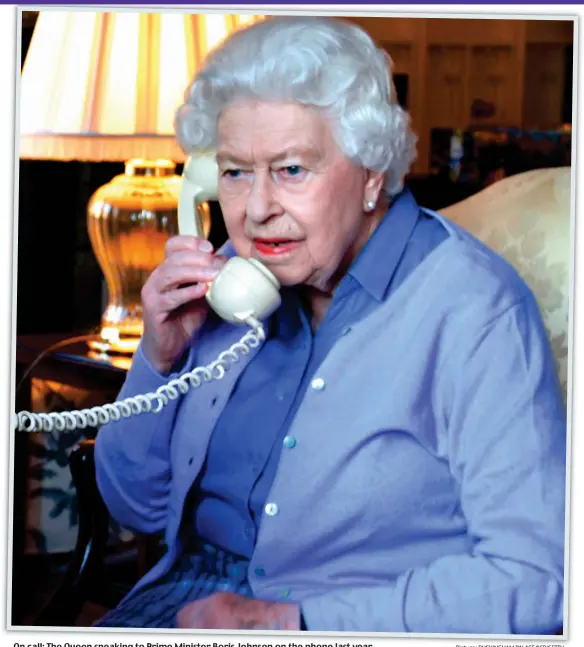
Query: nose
[261, 204]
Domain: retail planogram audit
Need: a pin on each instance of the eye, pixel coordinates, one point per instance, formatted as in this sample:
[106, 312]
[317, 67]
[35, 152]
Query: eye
[292, 170]
[232, 173]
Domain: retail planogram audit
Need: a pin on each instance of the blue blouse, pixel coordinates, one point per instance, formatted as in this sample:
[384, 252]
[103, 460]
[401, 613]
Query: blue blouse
[227, 500]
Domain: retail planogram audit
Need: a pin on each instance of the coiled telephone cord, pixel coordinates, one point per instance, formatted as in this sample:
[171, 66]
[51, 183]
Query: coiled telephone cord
[149, 402]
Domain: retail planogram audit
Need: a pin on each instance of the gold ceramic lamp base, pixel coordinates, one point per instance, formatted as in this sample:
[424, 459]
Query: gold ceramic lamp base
[129, 222]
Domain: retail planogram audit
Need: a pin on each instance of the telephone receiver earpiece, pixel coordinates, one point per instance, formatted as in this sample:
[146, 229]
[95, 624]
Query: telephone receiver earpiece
[244, 290]
[198, 185]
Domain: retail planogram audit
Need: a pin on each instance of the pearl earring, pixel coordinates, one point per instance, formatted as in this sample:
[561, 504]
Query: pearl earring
[370, 205]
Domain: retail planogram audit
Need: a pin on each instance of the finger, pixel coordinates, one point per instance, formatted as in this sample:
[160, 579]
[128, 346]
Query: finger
[172, 277]
[220, 259]
[278, 624]
[170, 301]
[288, 624]
[289, 618]
[251, 626]
[267, 626]
[193, 258]
[187, 243]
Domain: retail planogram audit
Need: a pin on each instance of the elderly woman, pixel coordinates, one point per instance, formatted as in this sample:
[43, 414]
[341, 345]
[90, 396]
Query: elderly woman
[392, 457]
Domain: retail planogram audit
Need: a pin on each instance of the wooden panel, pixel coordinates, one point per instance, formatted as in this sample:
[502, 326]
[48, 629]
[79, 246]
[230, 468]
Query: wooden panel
[493, 80]
[388, 29]
[544, 85]
[550, 31]
[402, 57]
[472, 31]
[446, 105]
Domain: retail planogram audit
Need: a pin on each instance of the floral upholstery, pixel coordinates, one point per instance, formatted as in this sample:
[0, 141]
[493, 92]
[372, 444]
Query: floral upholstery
[526, 219]
[52, 514]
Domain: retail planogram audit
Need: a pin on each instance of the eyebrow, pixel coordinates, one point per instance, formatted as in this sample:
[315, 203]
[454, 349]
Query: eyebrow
[307, 153]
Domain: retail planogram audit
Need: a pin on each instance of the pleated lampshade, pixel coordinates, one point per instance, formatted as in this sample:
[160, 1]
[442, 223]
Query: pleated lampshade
[99, 86]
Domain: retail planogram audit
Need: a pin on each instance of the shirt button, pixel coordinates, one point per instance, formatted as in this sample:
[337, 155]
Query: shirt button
[248, 531]
[289, 442]
[317, 384]
[346, 330]
[284, 593]
[271, 509]
[259, 571]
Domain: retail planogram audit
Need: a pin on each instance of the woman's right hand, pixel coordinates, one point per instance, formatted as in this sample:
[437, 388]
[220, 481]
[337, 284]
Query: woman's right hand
[172, 299]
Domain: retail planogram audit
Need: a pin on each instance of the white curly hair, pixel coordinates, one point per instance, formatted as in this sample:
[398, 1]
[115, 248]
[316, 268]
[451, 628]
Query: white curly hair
[326, 63]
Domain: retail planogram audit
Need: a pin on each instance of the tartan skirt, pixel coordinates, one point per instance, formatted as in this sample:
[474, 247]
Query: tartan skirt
[193, 577]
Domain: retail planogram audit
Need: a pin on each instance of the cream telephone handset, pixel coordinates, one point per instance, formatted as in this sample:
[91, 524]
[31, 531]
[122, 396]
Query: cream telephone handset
[244, 288]
[243, 293]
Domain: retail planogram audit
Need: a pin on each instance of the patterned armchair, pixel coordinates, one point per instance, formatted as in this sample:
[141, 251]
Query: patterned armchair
[525, 218]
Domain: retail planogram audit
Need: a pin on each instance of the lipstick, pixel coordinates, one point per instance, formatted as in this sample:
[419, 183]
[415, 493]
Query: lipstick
[275, 246]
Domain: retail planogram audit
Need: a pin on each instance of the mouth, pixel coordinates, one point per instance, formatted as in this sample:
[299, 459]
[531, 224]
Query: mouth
[274, 246]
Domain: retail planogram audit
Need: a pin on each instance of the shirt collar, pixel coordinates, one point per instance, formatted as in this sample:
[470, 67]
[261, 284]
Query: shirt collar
[375, 266]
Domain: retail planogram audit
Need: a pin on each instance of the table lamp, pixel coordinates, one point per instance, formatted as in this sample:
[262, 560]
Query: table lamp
[100, 86]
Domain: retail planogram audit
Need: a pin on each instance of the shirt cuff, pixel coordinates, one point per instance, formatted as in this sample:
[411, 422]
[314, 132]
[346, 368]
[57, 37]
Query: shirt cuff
[183, 363]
